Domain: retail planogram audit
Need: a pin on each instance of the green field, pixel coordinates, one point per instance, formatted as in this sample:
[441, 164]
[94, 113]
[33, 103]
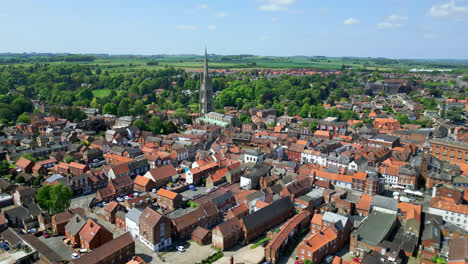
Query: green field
[124, 64]
[101, 93]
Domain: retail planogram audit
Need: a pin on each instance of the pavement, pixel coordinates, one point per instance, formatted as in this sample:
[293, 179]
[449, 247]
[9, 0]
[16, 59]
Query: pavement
[194, 253]
[244, 255]
[189, 194]
[82, 201]
[55, 243]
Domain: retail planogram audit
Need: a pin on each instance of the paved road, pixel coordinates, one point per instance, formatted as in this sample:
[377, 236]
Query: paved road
[82, 201]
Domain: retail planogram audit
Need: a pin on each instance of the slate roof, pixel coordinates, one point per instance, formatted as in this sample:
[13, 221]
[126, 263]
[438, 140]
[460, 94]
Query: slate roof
[376, 227]
[264, 215]
[384, 202]
[134, 215]
[75, 224]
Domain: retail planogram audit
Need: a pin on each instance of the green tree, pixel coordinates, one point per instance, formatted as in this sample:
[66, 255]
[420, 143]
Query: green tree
[20, 179]
[124, 107]
[110, 108]
[68, 159]
[23, 118]
[54, 198]
[155, 125]
[454, 114]
[140, 124]
[4, 167]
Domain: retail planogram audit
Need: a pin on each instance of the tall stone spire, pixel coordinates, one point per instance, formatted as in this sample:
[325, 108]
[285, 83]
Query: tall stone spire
[206, 90]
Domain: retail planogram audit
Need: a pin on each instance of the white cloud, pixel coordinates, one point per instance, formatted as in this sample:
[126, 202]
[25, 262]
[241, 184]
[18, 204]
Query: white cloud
[274, 19]
[212, 27]
[202, 6]
[221, 14]
[352, 21]
[186, 27]
[395, 17]
[393, 21]
[430, 36]
[449, 9]
[275, 5]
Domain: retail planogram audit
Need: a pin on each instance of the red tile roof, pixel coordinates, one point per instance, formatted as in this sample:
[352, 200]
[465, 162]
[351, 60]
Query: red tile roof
[168, 194]
[23, 163]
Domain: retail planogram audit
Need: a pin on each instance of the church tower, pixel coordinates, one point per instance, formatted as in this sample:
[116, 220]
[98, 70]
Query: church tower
[206, 91]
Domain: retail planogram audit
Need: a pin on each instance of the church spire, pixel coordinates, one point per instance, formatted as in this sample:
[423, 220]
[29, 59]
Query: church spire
[205, 72]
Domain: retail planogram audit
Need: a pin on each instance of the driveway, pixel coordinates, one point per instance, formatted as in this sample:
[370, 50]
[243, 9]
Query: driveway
[194, 253]
[244, 255]
[189, 194]
[55, 243]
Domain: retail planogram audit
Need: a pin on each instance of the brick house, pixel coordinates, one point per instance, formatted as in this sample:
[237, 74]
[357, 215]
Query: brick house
[154, 230]
[206, 215]
[78, 168]
[118, 251]
[294, 153]
[228, 234]
[201, 235]
[115, 188]
[110, 210]
[168, 200]
[258, 222]
[60, 220]
[93, 235]
[330, 233]
[287, 233]
[42, 167]
[143, 184]
[120, 220]
[238, 212]
[364, 205]
[73, 228]
[24, 165]
[162, 175]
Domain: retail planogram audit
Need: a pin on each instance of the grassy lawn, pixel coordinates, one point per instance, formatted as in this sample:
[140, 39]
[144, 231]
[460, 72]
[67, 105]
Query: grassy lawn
[103, 92]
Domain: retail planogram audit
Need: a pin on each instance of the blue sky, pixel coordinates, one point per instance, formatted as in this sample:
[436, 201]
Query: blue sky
[385, 28]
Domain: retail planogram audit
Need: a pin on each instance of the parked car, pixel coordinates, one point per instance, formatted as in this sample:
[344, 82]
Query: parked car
[130, 195]
[120, 199]
[180, 248]
[75, 256]
[154, 190]
[193, 188]
[127, 197]
[104, 203]
[99, 205]
[46, 235]
[358, 260]
[329, 259]
[83, 250]
[135, 194]
[32, 230]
